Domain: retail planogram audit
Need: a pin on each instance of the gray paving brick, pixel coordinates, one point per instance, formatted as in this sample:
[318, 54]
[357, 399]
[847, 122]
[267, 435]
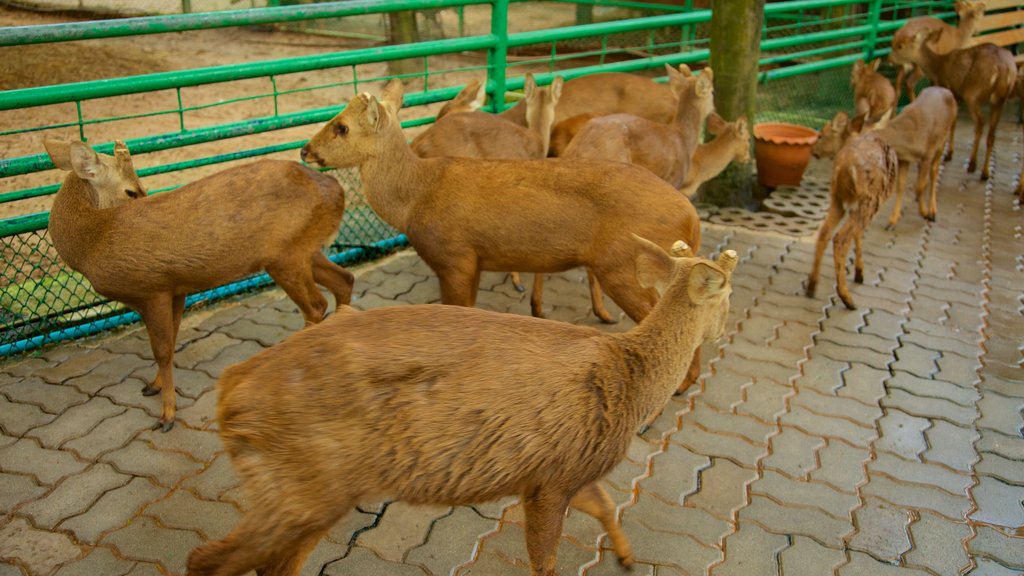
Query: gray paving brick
[26, 457]
[363, 561]
[75, 365]
[994, 465]
[182, 510]
[661, 516]
[114, 371]
[17, 419]
[99, 560]
[810, 522]
[959, 393]
[1011, 447]
[999, 503]
[674, 550]
[139, 459]
[1007, 387]
[75, 422]
[921, 473]
[722, 488]
[830, 427]
[881, 530]
[39, 551]
[325, 553]
[111, 434]
[866, 356]
[951, 445]
[920, 362]
[18, 488]
[903, 434]
[724, 390]
[113, 510]
[711, 444]
[986, 567]
[805, 494]
[842, 465]
[25, 367]
[402, 528]
[805, 557]
[754, 431]
[451, 541]
[794, 453]
[862, 564]
[929, 407]
[938, 545]
[202, 414]
[509, 544]
[1003, 548]
[751, 550]
[765, 400]
[201, 446]
[73, 495]
[265, 335]
[135, 542]
[1002, 414]
[676, 473]
[52, 398]
[918, 496]
[837, 406]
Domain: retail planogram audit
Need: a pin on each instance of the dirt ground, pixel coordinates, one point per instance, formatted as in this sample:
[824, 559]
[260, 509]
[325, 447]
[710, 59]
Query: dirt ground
[156, 112]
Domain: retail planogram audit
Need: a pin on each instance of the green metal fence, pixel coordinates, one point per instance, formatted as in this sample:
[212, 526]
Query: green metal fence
[807, 47]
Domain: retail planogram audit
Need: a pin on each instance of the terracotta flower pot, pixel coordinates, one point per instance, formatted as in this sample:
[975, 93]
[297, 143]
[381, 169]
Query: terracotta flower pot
[782, 152]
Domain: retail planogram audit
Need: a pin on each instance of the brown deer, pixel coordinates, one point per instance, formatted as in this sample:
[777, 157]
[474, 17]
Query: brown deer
[873, 95]
[272, 215]
[977, 75]
[471, 97]
[950, 38]
[1020, 94]
[731, 144]
[563, 132]
[663, 148]
[917, 135]
[466, 215]
[465, 414]
[863, 177]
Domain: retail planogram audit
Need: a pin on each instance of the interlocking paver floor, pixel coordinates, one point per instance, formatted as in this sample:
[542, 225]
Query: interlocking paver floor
[819, 441]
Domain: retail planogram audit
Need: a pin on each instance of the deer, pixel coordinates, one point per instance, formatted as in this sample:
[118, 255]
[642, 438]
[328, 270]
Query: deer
[466, 414]
[151, 252]
[864, 175]
[663, 148]
[976, 75]
[472, 97]
[467, 215]
[463, 132]
[950, 38]
[917, 135]
[873, 95]
[731, 144]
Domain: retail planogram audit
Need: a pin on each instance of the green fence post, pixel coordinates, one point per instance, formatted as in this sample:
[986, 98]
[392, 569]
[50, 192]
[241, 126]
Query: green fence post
[497, 57]
[874, 14]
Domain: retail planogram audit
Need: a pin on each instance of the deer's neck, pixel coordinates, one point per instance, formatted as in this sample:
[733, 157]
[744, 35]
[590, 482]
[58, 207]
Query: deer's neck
[74, 221]
[394, 179]
[657, 353]
[688, 121]
[541, 132]
[965, 29]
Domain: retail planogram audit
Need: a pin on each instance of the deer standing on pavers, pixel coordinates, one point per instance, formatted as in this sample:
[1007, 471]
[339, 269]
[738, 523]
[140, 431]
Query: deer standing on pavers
[950, 38]
[449, 405]
[466, 215]
[873, 95]
[731, 144]
[271, 215]
[977, 75]
[864, 175]
[917, 135]
[465, 133]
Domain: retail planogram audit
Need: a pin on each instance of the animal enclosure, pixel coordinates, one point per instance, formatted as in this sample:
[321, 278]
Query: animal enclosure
[292, 68]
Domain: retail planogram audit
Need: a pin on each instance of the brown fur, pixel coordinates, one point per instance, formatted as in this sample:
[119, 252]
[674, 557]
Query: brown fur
[950, 38]
[563, 132]
[663, 148]
[917, 135]
[272, 214]
[465, 215]
[873, 95]
[977, 75]
[470, 98]
[863, 177]
[608, 93]
[439, 405]
[731, 144]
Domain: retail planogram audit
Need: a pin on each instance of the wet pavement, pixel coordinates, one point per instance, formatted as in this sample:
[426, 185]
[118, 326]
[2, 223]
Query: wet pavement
[819, 440]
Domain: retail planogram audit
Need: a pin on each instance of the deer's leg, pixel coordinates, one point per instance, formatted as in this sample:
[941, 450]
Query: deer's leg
[852, 228]
[901, 184]
[545, 511]
[597, 299]
[835, 214]
[995, 112]
[901, 74]
[594, 501]
[336, 279]
[858, 260]
[949, 141]
[912, 79]
[161, 325]
[296, 279]
[537, 296]
[621, 286]
[517, 283]
[459, 283]
[290, 561]
[933, 187]
[177, 309]
[979, 127]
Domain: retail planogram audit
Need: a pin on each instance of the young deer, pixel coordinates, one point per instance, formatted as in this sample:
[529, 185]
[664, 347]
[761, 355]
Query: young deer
[149, 253]
[950, 38]
[664, 149]
[863, 177]
[465, 413]
[977, 75]
[917, 135]
[563, 132]
[873, 95]
[731, 144]
[470, 98]
[466, 215]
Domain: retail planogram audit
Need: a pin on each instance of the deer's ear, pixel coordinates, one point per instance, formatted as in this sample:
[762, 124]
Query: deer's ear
[840, 121]
[876, 63]
[84, 161]
[857, 123]
[706, 282]
[392, 94]
[60, 153]
[705, 83]
[741, 125]
[556, 89]
[653, 265]
[529, 86]
[715, 123]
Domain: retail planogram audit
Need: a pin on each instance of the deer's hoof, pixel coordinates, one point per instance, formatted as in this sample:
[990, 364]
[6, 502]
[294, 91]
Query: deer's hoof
[947, 157]
[848, 302]
[643, 429]
[162, 426]
[626, 561]
[812, 287]
[607, 319]
[519, 287]
[148, 390]
[971, 167]
[858, 277]
[890, 227]
[984, 176]
[930, 217]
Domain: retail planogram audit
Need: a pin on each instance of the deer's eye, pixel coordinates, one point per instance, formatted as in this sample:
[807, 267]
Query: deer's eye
[133, 193]
[340, 129]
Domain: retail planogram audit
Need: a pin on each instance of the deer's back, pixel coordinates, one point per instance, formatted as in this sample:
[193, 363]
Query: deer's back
[215, 229]
[922, 125]
[430, 403]
[655, 146]
[477, 135]
[983, 71]
[864, 173]
[948, 40]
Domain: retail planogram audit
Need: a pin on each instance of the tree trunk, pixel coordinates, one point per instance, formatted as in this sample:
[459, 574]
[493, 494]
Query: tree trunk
[402, 30]
[735, 50]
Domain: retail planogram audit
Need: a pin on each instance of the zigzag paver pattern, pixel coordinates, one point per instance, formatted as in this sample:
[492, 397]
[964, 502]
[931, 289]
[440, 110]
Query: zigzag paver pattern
[889, 439]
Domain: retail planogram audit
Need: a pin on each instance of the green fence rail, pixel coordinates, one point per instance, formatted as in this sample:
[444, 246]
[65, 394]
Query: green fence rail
[807, 47]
